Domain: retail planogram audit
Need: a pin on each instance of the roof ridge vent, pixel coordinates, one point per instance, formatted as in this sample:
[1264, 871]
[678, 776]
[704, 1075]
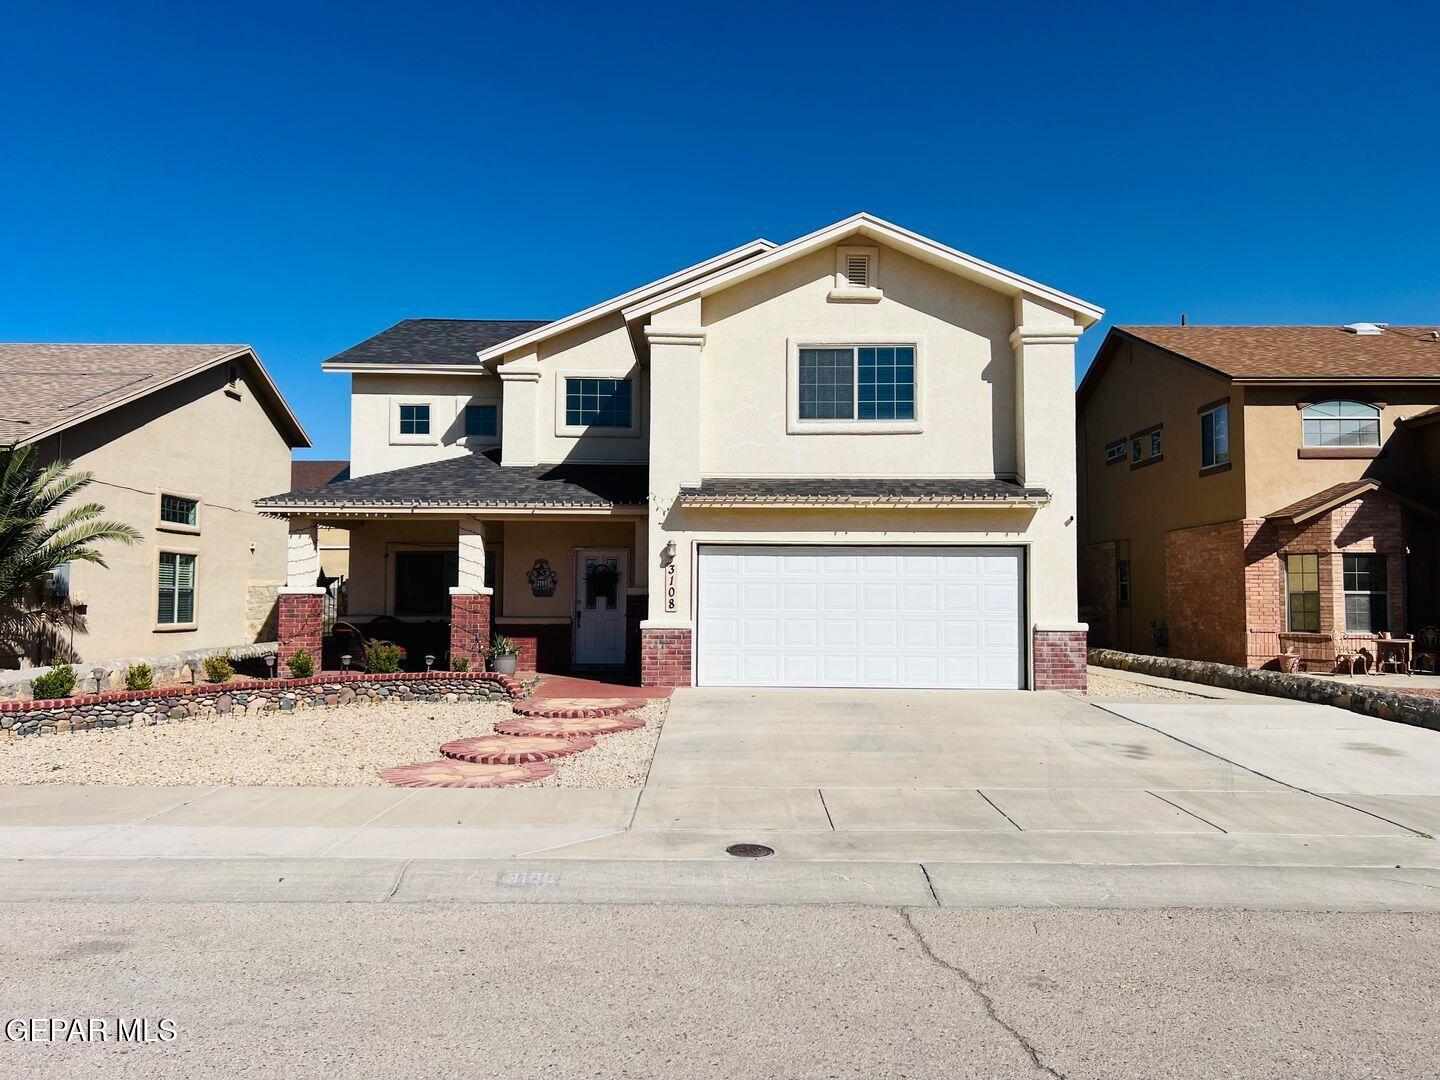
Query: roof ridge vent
[1367, 328]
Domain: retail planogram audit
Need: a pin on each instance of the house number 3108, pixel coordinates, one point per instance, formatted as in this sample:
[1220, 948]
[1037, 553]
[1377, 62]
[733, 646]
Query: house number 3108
[670, 587]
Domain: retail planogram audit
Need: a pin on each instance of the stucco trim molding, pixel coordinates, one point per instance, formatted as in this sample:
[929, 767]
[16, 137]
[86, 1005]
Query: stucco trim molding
[675, 335]
[1044, 335]
[300, 590]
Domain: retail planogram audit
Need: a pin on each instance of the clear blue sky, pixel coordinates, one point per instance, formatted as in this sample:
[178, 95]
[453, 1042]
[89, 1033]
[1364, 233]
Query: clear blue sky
[299, 178]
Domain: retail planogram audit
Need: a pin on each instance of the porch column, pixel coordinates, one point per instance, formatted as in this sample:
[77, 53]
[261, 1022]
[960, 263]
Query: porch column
[677, 340]
[301, 614]
[470, 599]
[1044, 343]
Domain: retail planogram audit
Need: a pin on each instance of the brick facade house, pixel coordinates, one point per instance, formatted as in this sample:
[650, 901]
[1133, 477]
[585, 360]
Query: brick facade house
[1252, 491]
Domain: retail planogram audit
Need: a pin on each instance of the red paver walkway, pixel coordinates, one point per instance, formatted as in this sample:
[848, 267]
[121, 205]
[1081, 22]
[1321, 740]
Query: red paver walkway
[447, 773]
[577, 686]
[574, 708]
[561, 727]
[513, 749]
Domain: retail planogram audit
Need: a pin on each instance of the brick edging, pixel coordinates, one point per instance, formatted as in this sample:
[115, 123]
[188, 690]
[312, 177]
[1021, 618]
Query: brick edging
[1381, 702]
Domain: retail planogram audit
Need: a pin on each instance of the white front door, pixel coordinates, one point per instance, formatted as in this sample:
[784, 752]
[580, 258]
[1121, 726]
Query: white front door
[601, 577]
[861, 616]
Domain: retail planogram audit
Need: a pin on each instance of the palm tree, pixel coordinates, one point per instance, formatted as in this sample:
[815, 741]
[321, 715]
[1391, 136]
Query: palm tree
[37, 538]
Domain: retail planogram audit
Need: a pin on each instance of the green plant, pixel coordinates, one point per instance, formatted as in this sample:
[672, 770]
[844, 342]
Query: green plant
[139, 677]
[383, 658]
[218, 668]
[37, 538]
[502, 646]
[302, 664]
[55, 683]
[460, 663]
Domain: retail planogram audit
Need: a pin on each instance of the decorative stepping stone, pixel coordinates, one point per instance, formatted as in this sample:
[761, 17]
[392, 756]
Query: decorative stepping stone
[577, 708]
[568, 727]
[466, 774]
[513, 749]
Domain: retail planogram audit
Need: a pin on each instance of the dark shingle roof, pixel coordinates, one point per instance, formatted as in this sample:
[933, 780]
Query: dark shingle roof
[478, 481]
[1326, 499]
[309, 475]
[1301, 352]
[419, 342]
[725, 492]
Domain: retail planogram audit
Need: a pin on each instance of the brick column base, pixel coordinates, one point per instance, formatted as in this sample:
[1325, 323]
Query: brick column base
[301, 621]
[469, 628]
[664, 657]
[1059, 659]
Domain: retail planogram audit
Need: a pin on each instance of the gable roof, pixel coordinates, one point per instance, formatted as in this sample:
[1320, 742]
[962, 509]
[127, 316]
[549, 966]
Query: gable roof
[309, 475]
[634, 296]
[430, 344]
[1323, 501]
[48, 387]
[880, 230]
[1285, 353]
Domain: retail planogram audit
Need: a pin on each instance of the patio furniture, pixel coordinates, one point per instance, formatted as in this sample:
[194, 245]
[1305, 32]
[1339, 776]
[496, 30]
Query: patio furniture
[1349, 662]
[1393, 654]
[1427, 650]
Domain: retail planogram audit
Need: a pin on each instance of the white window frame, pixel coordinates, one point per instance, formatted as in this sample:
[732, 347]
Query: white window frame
[175, 627]
[162, 525]
[575, 431]
[1305, 416]
[481, 440]
[432, 438]
[795, 426]
[1225, 408]
[842, 289]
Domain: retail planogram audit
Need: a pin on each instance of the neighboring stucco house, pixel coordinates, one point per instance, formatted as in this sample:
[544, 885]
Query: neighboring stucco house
[334, 543]
[841, 461]
[181, 440]
[1246, 490]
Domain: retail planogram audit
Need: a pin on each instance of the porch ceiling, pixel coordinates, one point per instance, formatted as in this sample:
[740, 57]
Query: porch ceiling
[474, 483]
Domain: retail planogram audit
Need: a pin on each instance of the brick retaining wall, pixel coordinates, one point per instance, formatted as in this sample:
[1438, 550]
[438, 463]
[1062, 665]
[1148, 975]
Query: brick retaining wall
[664, 657]
[1386, 703]
[139, 708]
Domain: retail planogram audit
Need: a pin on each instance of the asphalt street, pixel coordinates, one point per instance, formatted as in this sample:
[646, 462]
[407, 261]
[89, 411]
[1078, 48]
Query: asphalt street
[431, 990]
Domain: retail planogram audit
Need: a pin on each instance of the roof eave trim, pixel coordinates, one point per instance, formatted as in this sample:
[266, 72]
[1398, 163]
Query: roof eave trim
[1325, 380]
[879, 229]
[745, 251]
[851, 502]
[387, 509]
[1363, 488]
[476, 368]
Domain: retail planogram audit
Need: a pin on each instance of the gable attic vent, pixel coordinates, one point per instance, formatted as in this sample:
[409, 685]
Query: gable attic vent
[1367, 328]
[857, 271]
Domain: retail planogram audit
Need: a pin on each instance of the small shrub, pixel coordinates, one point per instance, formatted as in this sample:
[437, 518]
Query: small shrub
[58, 682]
[302, 664]
[383, 658]
[460, 663]
[218, 668]
[139, 677]
[503, 646]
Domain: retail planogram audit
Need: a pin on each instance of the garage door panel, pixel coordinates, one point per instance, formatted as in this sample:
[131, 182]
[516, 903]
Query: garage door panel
[837, 616]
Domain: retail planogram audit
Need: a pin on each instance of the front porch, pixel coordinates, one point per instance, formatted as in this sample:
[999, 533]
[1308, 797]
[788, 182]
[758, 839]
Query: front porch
[556, 563]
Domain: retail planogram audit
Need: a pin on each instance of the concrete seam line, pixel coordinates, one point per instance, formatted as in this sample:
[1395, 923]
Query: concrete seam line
[1264, 776]
[1182, 809]
[824, 806]
[930, 884]
[997, 809]
[985, 999]
[398, 879]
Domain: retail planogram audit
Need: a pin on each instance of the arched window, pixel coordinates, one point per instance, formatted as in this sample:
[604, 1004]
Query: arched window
[1342, 423]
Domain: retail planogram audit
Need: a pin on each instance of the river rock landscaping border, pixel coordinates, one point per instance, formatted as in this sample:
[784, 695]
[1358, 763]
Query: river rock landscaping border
[249, 697]
[1383, 702]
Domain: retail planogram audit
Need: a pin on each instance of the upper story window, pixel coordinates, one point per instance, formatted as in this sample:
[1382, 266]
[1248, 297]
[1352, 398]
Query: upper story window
[863, 382]
[414, 420]
[1156, 444]
[1115, 452]
[1215, 436]
[598, 403]
[178, 510]
[1341, 423]
[482, 421]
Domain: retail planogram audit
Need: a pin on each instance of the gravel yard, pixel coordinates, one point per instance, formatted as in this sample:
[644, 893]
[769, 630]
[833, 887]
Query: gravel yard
[343, 747]
[1108, 686]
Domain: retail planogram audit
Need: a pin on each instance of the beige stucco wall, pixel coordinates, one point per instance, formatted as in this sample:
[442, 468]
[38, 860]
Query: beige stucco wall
[1276, 475]
[196, 440]
[335, 552]
[373, 402]
[966, 362]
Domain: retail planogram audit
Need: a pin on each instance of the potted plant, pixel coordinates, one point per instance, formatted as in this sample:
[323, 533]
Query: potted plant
[1289, 662]
[504, 655]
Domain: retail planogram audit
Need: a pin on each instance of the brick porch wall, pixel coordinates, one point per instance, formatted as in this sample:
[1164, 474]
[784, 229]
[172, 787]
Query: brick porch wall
[543, 646]
[1205, 592]
[1098, 603]
[301, 624]
[665, 657]
[469, 628]
[1059, 659]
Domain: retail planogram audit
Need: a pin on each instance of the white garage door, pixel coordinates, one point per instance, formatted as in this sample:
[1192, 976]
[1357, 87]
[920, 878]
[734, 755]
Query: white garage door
[860, 616]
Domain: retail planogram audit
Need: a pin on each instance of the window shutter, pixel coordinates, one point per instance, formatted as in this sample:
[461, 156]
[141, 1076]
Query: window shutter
[857, 271]
[185, 588]
[167, 589]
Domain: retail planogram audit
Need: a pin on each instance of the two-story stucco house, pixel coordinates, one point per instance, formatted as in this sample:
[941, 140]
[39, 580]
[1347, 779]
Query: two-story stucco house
[1248, 491]
[842, 461]
[180, 441]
